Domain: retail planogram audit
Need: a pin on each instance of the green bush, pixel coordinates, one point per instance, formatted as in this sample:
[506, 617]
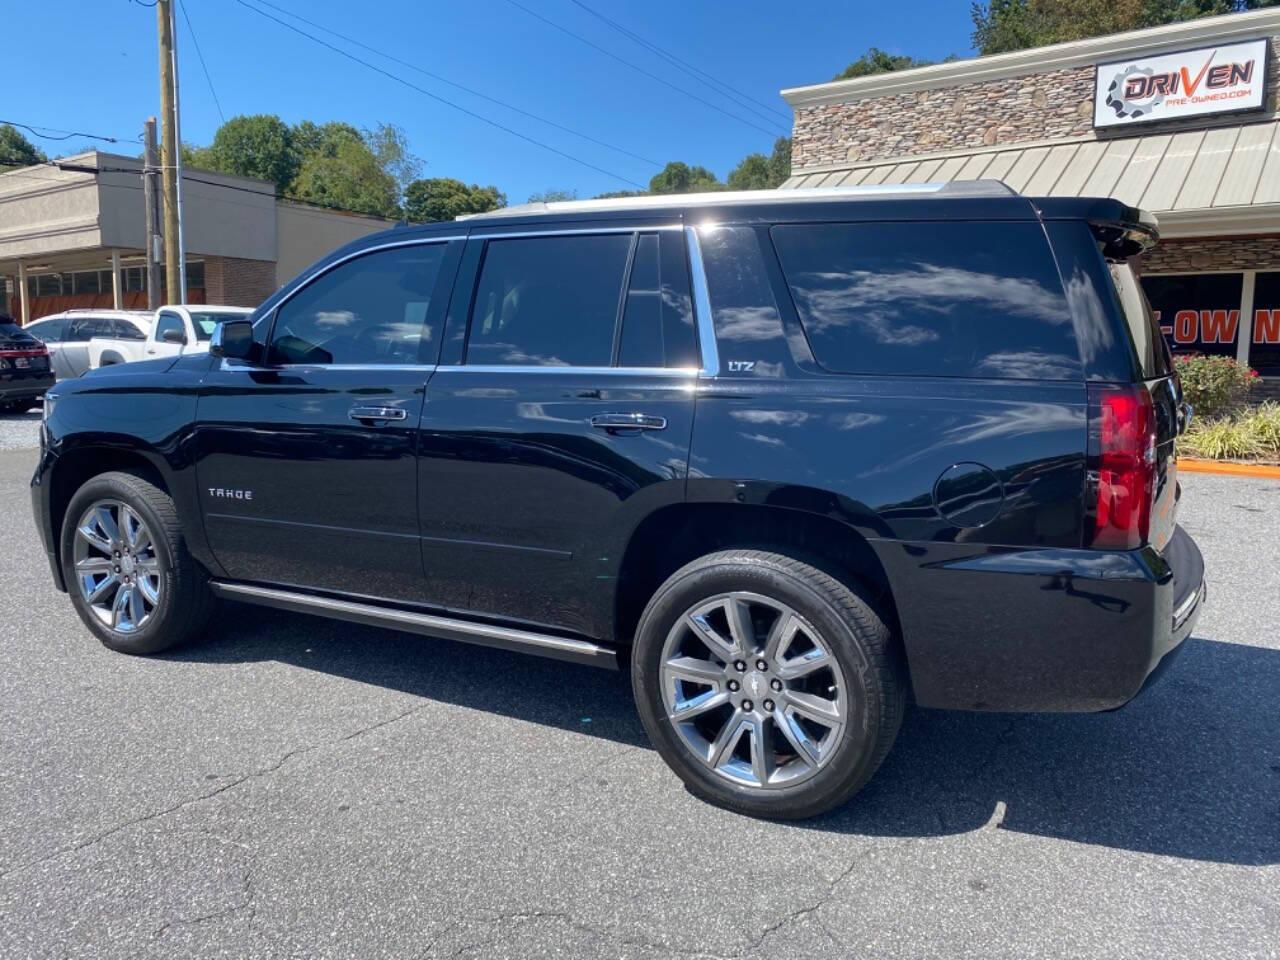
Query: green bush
[1213, 385]
[1249, 435]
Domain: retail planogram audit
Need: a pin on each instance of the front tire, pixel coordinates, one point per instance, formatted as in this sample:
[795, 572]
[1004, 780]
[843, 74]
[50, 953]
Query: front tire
[127, 568]
[770, 687]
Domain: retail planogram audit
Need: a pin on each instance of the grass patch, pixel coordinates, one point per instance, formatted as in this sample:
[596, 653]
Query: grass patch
[1252, 434]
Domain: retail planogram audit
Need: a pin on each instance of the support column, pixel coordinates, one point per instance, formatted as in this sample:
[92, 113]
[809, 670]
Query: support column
[22, 294]
[1244, 329]
[117, 291]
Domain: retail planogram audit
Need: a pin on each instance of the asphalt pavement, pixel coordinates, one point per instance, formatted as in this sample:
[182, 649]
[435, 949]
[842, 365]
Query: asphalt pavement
[293, 787]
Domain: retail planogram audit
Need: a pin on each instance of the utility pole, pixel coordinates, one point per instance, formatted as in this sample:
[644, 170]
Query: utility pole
[152, 197]
[171, 156]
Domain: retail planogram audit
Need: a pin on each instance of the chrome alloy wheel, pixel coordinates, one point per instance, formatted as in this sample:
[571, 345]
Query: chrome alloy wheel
[753, 690]
[117, 566]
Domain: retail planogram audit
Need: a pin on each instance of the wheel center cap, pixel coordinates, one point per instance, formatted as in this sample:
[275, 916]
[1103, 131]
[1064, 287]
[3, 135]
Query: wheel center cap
[755, 685]
[127, 565]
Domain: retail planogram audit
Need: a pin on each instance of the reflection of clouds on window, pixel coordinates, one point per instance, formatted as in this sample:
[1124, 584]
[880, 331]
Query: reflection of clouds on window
[1028, 365]
[877, 300]
[746, 323]
[330, 320]
[1093, 330]
[510, 353]
[763, 438]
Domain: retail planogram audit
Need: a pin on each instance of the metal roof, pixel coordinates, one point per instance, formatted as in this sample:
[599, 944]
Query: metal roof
[1205, 169]
[970, 187]
[1217, 168]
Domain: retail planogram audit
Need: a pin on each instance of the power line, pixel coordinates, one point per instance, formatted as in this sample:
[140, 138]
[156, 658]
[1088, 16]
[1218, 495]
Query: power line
[698, 74]
[195, 41]
[68, 134]
[438, 98]
[642, 70]
[474, 93]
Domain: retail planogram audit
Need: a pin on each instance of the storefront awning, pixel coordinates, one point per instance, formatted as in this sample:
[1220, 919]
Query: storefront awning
[1198, 182]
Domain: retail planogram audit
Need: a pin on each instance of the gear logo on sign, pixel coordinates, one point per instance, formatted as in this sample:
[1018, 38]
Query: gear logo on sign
[1124, 105]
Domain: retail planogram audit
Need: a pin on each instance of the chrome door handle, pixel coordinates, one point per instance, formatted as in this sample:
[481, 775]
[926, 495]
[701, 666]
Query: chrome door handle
[628, 421]
[376, 413]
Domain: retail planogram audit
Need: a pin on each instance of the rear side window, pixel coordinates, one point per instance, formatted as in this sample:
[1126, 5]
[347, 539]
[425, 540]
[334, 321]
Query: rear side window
[1144, 331]
[943, 299]
[548, 301]
[657, 319]
[82, 329]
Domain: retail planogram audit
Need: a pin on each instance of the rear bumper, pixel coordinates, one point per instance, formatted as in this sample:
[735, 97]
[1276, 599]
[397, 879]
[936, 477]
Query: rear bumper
[1049, 630]
[19, 386]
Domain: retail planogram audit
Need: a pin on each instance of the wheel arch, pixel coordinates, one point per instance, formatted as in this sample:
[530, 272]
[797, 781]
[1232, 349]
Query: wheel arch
[671, 536]
[76, 466]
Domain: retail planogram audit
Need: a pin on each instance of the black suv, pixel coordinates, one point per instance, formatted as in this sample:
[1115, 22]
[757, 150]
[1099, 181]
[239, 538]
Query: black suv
[25, 371]
[783, 455]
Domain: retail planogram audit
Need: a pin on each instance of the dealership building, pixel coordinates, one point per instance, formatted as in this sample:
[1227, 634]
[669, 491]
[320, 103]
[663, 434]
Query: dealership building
[74, 235]
[1179, 120]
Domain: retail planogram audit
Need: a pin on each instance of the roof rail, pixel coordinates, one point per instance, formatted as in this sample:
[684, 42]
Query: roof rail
[882, 191]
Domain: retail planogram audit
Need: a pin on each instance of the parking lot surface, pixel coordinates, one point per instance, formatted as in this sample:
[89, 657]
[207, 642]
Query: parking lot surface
[293, 787]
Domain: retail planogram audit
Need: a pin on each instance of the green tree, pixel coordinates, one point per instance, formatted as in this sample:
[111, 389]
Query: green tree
[677, 177]
[16, 150]
[876, 60]
[1000, 26]
[347, 174]
[758, 172]
[554, 196]
[258, 146]
[444, 198]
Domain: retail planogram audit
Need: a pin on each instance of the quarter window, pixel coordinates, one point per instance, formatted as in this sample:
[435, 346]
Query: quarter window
[930, 299]
[370, 310]
[548, 301]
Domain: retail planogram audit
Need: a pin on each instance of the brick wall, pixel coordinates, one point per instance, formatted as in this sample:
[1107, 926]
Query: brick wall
[1035, 106]
[1213, 254]
[240, 283]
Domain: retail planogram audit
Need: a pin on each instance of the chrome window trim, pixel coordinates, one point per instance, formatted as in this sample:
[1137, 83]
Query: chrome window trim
[702, 306]
[576, 231]
[229, 363]
[549, 368]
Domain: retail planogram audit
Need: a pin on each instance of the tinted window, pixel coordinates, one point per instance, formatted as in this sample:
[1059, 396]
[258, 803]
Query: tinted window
[169, 321]
[126, 330]
[13, 333]
[657, 320]
[81, 329]
[548, 301]
[48, 331]
[369, 310]
[930, 299]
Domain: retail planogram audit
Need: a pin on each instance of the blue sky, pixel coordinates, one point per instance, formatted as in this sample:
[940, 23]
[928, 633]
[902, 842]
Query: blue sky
[96, 71]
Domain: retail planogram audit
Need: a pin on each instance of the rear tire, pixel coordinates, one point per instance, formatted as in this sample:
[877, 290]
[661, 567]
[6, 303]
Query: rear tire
[768, 686]
[127, 568]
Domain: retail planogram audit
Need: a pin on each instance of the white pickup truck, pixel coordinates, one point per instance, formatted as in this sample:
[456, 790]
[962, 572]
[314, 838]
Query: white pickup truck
[174, 330]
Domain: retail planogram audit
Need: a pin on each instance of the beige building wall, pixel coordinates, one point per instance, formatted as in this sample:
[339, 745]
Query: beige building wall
[305, 234]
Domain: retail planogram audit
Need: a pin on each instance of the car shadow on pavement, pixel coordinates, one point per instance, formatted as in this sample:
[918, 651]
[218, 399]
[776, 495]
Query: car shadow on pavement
[1190, 769]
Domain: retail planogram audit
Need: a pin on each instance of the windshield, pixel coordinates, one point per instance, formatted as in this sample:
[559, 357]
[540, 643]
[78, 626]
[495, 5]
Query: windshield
[205, 322]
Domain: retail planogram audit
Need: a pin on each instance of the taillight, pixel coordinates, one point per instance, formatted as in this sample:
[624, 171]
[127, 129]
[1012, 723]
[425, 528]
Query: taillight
[1122, 435]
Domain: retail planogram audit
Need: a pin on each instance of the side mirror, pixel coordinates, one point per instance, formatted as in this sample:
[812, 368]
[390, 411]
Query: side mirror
[234, 339]
[173, 336]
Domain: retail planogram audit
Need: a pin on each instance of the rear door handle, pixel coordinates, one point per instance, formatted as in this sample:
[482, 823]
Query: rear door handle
[368, 414]
[614, 422]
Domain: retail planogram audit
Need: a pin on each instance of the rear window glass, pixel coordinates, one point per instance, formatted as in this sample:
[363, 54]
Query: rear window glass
[930, 299]
[12, 332]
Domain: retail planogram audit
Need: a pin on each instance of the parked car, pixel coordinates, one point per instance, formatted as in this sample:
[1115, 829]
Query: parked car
[784, 456]
[25, 373]
[68, 335]
[174, 330]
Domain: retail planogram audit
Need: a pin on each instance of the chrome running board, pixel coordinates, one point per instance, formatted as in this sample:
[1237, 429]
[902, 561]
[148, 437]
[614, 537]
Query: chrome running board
[448, 628]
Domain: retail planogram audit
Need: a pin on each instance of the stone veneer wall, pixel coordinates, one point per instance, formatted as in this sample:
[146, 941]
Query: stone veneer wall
[1033, 106]
[241, 283]
[1214, 254]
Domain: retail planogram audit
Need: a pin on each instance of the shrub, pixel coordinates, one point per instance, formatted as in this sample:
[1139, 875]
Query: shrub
[1213, 385]
[1248, 435]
